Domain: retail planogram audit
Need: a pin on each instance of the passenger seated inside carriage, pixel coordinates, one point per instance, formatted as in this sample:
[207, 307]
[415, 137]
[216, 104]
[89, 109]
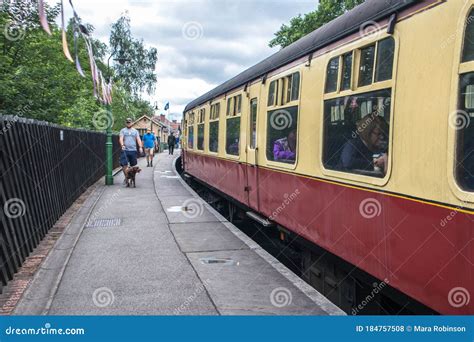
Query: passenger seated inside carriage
[368, 150]
[284, 149]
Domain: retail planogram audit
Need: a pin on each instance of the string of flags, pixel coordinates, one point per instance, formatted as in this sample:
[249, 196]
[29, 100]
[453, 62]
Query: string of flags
[102, 88]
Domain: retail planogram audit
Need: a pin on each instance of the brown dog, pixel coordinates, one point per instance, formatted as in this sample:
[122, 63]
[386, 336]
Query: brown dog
[131, 173]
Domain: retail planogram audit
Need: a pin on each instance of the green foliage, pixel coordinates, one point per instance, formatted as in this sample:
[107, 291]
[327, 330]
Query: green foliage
[124, 106]
[138, 73]
[37, 81]
[302, 25]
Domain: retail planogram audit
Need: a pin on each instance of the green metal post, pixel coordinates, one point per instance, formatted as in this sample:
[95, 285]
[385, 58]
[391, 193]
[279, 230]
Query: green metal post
[109, 178]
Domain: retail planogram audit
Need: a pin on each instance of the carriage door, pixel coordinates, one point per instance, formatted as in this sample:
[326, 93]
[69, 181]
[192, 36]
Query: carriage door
[252, 153]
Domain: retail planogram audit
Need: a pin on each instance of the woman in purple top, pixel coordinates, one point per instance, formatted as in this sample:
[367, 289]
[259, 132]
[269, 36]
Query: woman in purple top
[284, 149]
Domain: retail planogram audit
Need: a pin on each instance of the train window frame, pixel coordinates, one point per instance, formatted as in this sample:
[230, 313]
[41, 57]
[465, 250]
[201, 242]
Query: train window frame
[214, 119]
[191, 125]
[272, 93]
[214, 113]
[234, 112]
[343, 69]
[234, 106]
[200, 130]
[327, 74]
[461, 68]
[355, 47]
[280, 90]
[253, 124]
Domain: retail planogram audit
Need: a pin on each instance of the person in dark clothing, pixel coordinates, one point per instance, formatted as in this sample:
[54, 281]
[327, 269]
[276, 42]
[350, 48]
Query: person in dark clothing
[171, 143]
[368, 150]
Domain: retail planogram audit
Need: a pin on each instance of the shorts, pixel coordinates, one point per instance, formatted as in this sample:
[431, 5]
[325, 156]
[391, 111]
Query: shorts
[149, 149]
[128, 157]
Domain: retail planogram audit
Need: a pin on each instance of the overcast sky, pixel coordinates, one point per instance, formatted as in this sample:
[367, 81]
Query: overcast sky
[200, 43]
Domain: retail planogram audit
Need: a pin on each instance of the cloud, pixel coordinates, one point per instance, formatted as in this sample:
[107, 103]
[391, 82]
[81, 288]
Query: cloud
[231, 35]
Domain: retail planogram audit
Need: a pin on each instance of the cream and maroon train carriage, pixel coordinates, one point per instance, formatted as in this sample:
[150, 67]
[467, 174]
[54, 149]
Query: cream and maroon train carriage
[279, 139]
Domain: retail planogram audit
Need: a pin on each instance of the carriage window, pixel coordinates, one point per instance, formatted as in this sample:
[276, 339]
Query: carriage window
[346, 78]
[238, 105]
[234, 105]
[233, 136]
[214, 136]
[230, 106]
[215, 111]
[468, 50]
[332, 74]
[356, 133]
[202, 115]
[282, 135]
[200, 137]
[292, 87]
[272, 93]
[366, 68]
[191, 137]
[253, 123]
[464, 125]
[385, 53]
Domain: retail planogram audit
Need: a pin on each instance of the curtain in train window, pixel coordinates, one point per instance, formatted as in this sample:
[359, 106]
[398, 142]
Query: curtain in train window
[356, 133]
[214, 136]
[200, 138]
[331, 75]
[464, 124]
[468, 49]
[282, 135]
[233, 136]
[191, 137]
[253, 123]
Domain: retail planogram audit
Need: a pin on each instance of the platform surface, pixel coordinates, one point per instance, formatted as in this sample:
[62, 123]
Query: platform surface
[158, 249]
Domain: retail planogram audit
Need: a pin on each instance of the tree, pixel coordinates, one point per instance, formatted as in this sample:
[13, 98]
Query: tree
[138, 73]
[38, 82]
[300, 26]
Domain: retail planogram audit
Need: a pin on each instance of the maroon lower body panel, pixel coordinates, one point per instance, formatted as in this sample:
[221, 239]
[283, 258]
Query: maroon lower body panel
[425, 251]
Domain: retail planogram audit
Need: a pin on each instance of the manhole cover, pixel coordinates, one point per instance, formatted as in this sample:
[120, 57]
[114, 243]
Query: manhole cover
[104, 223]
[221, 261]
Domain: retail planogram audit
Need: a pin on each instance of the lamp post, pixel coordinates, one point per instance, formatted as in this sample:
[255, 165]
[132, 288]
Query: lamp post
[109, 178]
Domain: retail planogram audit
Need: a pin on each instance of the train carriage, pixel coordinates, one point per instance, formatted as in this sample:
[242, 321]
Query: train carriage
[284, 140]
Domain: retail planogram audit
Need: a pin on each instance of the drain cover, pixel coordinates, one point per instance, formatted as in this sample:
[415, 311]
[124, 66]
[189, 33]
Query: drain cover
[222, 261]
[104, 223]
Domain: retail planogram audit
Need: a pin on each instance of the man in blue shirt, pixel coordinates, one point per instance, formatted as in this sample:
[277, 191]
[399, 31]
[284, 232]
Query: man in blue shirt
[149, 142]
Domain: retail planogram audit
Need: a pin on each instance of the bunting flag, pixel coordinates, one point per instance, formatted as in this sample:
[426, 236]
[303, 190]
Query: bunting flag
[65, 47]
[78, 64]
[167, 106]
[42, 17]
[92, 63]
[102, 89]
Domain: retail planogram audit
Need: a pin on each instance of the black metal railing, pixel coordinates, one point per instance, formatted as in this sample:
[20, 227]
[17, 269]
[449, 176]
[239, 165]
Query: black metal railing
[44, 168]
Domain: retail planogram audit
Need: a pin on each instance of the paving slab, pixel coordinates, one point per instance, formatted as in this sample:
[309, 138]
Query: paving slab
[256, 286]
[208, 236]
[167, 253]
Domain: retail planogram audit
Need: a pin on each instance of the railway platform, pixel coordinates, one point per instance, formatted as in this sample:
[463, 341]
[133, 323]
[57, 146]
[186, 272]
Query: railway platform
[158, 249]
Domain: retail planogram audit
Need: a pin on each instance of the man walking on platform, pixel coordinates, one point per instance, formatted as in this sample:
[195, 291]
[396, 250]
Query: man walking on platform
[149, 141]
[129, 141]
[171, 142]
